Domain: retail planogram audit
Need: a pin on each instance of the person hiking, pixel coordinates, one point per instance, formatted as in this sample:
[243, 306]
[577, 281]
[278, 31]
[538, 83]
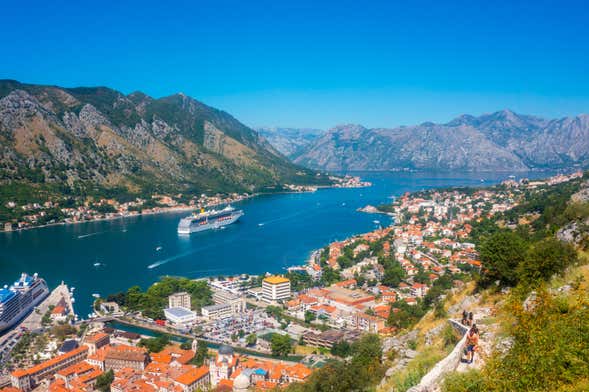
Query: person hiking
[472, 342]
[464, 318]
[470, 319]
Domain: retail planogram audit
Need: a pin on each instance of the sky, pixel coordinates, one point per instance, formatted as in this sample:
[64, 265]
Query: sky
[313, 63]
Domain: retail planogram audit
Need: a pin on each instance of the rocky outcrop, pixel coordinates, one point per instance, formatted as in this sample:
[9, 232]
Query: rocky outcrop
[499, 141]
[289, 141]
[100, 138]
[430, 382]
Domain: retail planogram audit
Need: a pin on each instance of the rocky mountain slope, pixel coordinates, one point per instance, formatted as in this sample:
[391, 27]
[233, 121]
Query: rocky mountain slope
[77, 139]
[290, 141]
[499, 141]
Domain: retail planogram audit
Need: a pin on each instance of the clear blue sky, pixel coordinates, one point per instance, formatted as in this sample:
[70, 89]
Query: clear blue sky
[313, 63]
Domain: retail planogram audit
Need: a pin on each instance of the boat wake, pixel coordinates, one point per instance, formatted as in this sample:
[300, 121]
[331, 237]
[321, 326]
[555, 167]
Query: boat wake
[184, 254]
[90, 235]
[286, 217]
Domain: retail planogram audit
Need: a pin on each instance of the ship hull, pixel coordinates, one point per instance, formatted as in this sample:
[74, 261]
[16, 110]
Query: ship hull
[213, 224]
[6, 325]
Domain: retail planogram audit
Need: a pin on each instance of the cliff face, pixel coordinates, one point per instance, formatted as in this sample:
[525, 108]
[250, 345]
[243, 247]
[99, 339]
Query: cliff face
[290, 141]
[499, 141]
[84, 137]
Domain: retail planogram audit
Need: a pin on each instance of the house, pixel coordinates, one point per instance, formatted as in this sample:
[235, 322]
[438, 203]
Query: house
[419, 290]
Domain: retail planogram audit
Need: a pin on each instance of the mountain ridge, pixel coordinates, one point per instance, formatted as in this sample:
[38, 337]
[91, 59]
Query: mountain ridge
[502, 140]
[87, 138]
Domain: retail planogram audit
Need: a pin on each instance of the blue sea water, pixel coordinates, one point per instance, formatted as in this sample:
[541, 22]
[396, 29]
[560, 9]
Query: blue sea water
[277, 231]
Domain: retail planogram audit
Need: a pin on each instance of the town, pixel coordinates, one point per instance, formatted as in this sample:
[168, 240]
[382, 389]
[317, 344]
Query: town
[71, 210]
[262, 332]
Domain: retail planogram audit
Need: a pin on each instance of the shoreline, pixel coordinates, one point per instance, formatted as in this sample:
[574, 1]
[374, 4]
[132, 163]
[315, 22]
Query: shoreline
[167, 210]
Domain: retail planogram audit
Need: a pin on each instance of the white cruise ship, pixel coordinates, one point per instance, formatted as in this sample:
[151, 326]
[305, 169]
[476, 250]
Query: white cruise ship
[17, 300]
[212, 219]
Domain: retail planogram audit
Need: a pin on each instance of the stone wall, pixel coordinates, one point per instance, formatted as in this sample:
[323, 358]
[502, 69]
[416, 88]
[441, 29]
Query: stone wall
[429, 382]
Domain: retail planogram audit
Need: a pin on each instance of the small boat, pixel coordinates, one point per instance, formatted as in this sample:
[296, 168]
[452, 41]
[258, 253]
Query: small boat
[95, 295]
[343, 204]
[159, 248]
[97, 264]
[260, 224]
[376, 222]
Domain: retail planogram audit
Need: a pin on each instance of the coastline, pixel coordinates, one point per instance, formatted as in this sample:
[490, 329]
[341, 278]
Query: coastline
[166, 210]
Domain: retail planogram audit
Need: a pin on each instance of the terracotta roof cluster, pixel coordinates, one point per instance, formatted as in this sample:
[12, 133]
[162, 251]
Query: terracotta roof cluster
[49, 363]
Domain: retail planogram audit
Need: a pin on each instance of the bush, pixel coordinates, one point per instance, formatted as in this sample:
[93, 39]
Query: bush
[501, 254]
[470, 381]
[551, 346]
[545, 259]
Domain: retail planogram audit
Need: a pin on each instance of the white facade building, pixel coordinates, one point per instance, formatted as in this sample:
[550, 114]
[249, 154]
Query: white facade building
[275, 288]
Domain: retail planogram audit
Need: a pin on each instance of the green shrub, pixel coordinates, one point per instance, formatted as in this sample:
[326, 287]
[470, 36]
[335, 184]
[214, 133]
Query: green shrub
[470, 381]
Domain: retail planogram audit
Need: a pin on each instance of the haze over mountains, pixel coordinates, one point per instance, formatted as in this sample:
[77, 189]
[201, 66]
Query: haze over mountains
[98, 138]
[290, 141]
[500, 141]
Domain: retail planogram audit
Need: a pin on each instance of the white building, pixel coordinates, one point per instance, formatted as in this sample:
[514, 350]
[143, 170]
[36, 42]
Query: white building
[179, 300]
[275, 288]
[217, 311]
[180, 315]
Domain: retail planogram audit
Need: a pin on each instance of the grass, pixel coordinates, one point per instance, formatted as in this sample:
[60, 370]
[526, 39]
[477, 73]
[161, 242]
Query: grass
[415, 370]
[305, 350]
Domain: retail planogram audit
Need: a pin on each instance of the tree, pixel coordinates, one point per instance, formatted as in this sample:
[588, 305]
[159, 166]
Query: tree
[501, 254]
[186, 346]
[309, 316]
[251, 339]
[341, 349]
[393, 271]
[281, 345]
[329, 276]
[546, 258]
[155, 345]
[299, 280]
[404, 315]
[201, 354]
[367, 350]
[104, 380]
[275, 311]
[62, 331]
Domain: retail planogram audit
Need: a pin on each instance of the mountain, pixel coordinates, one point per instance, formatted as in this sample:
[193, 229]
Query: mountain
[289, 141]
[502, 140]
[96, 139]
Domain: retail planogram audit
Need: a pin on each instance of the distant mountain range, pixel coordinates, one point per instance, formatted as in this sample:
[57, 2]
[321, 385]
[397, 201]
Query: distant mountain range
[95, 139]
[290, 141]
[500, 141]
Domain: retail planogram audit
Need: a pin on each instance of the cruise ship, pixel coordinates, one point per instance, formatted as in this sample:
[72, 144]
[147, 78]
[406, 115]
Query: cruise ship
[17, 300]
[205, 220]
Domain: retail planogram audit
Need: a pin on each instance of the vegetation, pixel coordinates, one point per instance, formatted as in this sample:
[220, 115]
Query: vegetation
[251, 339]
[550, 348]
[104, 381]
[362, 370]
[152, 302]
[155, 345]
[202, 353]
[63, 330]
[299, 280]
[529, 253]
[341, 349]
[281, 345]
